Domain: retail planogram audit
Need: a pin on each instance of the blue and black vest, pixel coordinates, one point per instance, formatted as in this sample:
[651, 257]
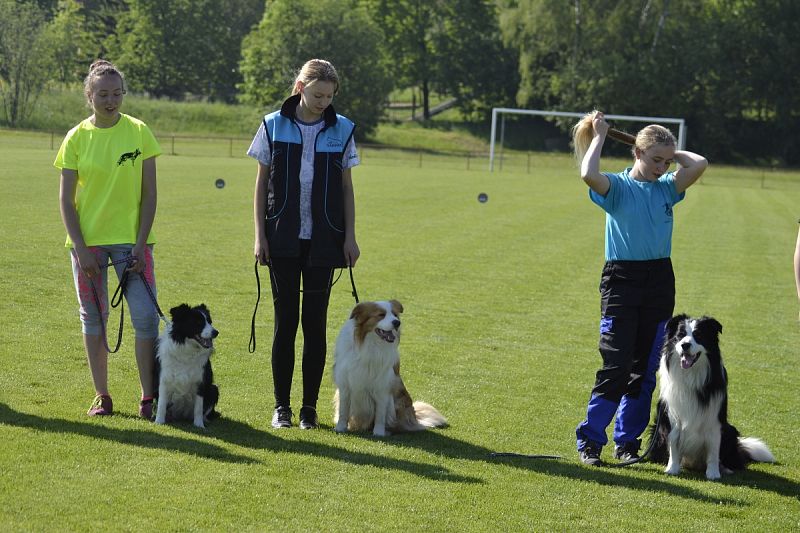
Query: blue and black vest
[283, 194]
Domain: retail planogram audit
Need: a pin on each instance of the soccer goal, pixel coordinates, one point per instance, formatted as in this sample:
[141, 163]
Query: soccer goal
[503, 111]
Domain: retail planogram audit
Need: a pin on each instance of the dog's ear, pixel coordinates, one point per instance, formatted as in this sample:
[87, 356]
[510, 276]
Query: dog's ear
[359, 311]
[672, 325]
[713, 324]
[203, 309]
[397, 307]
[179, 311]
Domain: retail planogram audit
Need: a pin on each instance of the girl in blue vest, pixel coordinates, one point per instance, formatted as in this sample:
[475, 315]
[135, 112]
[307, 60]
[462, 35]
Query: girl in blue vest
[637, 286]
[304, 211]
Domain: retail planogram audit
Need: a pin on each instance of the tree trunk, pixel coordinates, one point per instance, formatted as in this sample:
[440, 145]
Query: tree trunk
[426, 108]
[576, 53]
[661, 20]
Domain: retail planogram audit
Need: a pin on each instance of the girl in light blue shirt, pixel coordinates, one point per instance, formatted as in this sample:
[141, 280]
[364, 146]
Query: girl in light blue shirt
[637, 287]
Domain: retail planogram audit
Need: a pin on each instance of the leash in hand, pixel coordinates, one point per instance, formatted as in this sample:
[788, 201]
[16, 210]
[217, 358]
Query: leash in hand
[252, 344]
[117, 300]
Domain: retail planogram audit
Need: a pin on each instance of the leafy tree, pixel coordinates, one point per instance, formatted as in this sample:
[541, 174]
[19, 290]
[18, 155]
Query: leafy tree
[184, 46]
[472, 63]
[100, 27]
[724, 65]
[69, 36]
[294, 31]
[753, 64]
[240, 17]
[409, 28]
[453, 47]
[25, 60]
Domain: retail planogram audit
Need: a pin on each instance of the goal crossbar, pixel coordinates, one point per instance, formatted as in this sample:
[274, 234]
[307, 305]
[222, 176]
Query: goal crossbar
[538, 112]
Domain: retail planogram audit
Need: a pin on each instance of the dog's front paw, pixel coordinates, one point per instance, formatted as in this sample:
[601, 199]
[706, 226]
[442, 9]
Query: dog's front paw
[161, 420]
[380, 432]
[712, 472]
[199, 424]
[340, 428]
[673, 469]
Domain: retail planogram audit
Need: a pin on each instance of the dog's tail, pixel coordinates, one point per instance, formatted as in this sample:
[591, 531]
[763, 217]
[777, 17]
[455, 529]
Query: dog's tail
[428, 416]
[756, 450]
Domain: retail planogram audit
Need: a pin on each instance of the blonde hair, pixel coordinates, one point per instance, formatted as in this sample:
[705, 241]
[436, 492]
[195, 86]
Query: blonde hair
[582, 134]
[101, 67]
[649, 136]
[316, 70]
[654, 134]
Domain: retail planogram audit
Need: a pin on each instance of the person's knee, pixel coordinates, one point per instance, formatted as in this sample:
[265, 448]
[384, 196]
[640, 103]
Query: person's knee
[146, 326]
[91, 324]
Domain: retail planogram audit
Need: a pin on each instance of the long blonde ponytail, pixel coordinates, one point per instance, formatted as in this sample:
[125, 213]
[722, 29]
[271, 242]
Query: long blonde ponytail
[582, 134]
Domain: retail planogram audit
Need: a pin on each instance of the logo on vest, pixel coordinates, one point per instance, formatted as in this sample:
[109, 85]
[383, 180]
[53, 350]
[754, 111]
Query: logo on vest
[333, 142]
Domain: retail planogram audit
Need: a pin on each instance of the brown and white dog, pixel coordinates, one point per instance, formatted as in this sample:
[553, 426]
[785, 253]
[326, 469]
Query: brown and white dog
[369, 391]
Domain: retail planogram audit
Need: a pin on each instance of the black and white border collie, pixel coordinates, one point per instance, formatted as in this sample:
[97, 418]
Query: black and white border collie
[185, 388]
[370, 395]
[692, 428]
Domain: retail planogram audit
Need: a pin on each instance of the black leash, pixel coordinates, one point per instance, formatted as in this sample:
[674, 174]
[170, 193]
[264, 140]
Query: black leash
[353, 283]
[119, 292]
[251, 347]
[118, 300]
[526, 456]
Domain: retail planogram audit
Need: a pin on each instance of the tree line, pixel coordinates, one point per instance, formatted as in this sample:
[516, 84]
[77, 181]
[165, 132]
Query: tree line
[729, 67]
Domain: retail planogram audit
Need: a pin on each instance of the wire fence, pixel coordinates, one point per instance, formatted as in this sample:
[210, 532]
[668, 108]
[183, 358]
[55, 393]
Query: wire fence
[463, 160]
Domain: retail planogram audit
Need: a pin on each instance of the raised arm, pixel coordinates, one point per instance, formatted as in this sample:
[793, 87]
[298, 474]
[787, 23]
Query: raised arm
[692, 167]
[590, 164]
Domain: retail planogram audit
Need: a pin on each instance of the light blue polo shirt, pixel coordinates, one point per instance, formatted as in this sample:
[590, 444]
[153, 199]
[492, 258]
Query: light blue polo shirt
[638, 216]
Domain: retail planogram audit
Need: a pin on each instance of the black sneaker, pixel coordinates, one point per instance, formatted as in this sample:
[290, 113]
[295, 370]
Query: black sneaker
[628, 451]
[282, 417]
[590, 455]
[308, 418]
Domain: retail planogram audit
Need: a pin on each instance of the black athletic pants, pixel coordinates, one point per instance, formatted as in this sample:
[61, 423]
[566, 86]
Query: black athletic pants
[285, 274]
[635, 297]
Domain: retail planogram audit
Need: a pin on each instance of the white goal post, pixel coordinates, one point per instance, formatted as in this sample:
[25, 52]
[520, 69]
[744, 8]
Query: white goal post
[503, 111]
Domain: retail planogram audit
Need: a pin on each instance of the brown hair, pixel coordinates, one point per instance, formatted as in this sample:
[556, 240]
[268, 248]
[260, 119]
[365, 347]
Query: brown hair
[101, 67]
[316, 70]
[583, 131]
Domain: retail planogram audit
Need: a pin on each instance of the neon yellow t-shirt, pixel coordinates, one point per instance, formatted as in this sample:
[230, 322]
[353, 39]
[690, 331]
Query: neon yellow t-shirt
[109, 166]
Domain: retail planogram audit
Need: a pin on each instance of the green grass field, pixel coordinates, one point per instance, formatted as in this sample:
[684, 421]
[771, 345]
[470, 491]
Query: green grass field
[500, 334]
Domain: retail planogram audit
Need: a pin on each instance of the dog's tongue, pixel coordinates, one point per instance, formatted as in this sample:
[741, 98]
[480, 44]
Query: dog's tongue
[687, 362]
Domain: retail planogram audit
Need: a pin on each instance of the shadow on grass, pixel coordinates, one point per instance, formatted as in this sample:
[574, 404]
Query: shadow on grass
[227, 430]
[758, 480]
[438, 443]
[245, 435]
[144, 438]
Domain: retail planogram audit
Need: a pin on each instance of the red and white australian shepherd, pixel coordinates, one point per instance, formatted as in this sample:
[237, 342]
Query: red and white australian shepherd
[370, 394]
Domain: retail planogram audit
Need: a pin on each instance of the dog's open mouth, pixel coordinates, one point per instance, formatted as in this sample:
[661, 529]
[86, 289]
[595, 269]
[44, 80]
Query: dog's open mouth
[687, 360]
[388, 336]
[202, 341]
